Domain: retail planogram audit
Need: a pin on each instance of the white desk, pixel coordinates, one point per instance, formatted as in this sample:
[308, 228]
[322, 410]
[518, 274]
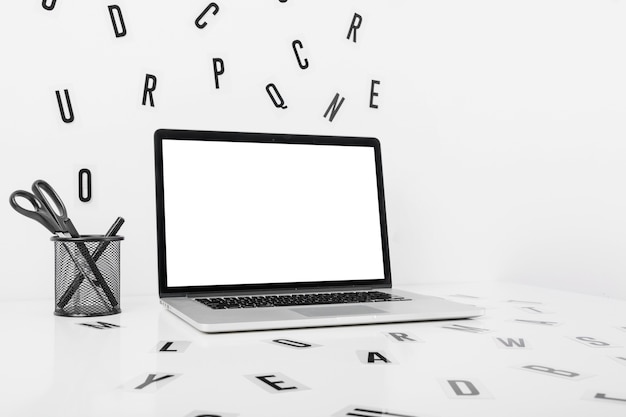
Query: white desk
[54, 366]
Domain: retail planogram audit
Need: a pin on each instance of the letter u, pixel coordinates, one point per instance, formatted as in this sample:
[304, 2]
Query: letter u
[70, 118]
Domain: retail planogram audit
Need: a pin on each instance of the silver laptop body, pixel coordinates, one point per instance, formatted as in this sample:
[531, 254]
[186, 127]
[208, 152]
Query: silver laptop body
[251, 227]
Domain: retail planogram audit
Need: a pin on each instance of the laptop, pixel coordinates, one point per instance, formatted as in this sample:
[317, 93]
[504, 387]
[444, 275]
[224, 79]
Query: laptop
[261, 231]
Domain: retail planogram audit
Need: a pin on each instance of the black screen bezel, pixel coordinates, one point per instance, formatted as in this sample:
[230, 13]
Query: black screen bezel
[196, 135]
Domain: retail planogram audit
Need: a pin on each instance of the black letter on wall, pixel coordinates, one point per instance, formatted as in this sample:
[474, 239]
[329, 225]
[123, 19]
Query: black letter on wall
[217, 72]
[354, 26]
[213, 6]
[333, 108]
[118, 33]
[303, 64]
[277, 99]
[148, 89]
[84, 177]
[70, 118]
[50, 6]
[373, 94]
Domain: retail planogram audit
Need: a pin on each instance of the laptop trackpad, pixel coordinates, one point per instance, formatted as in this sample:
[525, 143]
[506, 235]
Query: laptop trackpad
[337, 311]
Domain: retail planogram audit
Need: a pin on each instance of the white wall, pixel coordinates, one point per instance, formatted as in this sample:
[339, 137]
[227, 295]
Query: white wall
[503, 123]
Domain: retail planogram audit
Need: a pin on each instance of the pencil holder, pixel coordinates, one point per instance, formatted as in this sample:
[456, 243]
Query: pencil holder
[87, 275]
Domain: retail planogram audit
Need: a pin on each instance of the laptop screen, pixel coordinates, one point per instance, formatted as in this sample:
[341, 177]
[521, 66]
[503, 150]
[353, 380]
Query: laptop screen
[269, 211]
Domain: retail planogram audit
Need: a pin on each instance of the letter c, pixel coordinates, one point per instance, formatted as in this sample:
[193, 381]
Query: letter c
[214, 6]
[304, 64]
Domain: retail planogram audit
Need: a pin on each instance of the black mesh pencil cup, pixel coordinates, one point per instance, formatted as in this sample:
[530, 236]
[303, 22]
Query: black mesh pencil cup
[87, 275]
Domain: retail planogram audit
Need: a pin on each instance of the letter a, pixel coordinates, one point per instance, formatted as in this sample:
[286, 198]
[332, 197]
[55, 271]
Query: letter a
[372, 357]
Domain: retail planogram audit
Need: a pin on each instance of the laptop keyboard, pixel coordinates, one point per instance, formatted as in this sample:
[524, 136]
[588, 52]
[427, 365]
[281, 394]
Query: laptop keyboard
[299, 299]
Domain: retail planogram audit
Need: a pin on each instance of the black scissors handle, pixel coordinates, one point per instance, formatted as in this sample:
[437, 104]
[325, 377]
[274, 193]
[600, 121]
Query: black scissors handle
[51, 202]
[39, 212]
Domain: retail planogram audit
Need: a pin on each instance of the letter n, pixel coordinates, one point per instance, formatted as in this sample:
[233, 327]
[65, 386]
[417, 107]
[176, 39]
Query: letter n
[333, 108]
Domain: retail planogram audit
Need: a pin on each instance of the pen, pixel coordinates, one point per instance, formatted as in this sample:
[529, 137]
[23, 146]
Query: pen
[115, 227]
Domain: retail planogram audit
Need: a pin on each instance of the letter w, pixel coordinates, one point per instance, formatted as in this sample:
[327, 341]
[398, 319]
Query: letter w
[512, 342]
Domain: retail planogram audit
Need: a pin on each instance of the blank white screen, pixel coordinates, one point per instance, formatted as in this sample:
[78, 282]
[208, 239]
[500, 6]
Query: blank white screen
[252, 213]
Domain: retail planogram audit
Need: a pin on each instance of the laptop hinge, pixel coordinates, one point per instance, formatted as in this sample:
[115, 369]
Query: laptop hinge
[270, 291]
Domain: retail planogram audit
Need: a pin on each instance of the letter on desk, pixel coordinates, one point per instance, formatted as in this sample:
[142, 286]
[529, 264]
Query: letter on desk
[466, 328]
[366, 411]
[510, 343]
[593, 342]
[562, 373]
[464, 388]
[149, 383]
[200, 413]
[175, 346]
[543, 323]
[620, 359]
[603, 396]
[275, 382]
[534, 310]
[100, 325]
[294, 343]
[369, 357]
[402, 337]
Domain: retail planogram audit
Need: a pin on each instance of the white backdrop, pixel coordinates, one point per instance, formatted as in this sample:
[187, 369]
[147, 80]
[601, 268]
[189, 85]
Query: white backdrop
[503, 123]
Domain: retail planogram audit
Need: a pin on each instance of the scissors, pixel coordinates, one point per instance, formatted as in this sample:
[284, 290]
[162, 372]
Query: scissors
[44, 201]
[49, 210]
